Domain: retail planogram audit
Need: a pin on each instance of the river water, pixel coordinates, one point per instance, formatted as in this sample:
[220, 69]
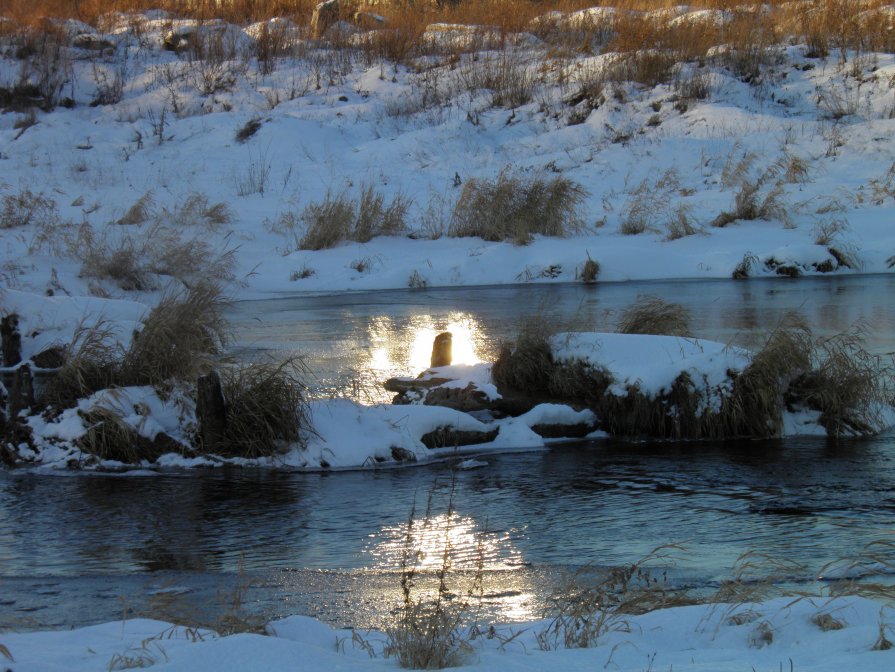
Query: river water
[77, 549]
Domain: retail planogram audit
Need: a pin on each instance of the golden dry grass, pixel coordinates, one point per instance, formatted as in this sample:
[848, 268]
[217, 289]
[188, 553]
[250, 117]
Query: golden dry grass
[823, 25]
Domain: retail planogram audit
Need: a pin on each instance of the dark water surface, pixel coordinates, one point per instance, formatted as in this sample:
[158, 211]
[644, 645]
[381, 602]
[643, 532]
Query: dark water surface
[77, 549]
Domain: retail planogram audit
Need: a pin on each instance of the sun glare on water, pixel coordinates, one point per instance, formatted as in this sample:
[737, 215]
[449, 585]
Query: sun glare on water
[407, 351]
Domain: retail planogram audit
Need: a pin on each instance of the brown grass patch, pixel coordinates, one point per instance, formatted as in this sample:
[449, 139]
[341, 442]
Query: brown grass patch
[266, 408]
[516, 207]
[652, 315]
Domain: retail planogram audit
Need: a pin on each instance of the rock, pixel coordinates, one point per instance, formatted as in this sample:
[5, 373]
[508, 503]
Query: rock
[325, 15]
[402, 454]
[92, 42]
[465, 399]
[51, 358]
[560, 431]
[368, 20]
[442, 350]
[447, 437]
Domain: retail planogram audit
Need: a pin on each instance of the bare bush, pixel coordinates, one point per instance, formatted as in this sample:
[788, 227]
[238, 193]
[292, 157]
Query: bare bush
[517, 207]
[652, 315]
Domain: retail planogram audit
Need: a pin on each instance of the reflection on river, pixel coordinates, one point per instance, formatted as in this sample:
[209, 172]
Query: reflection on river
[332, 545]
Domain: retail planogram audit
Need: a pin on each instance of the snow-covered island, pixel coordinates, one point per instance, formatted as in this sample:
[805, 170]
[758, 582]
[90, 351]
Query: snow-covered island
[153, 166]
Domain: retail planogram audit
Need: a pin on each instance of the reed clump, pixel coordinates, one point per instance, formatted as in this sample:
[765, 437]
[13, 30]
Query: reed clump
[267, 408]
[652, 315]
[339, 217]
[516, 207]
[177, 340]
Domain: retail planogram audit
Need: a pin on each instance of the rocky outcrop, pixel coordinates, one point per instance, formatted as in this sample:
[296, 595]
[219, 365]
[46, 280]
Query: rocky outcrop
[325, 15]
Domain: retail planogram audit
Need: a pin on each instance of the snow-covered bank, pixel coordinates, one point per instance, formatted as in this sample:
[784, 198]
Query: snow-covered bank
[623, 384]
[822, 635]
[218, 158]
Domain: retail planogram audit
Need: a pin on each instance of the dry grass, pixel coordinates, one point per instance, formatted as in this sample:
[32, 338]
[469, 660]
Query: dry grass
[267, 409]
[589, 271]
[178, 337]
[758, 193]
[652, 315]
[428, 633]
[108, 437]
[756, 407]
[27, 208]
[176, 342]
[90, 364]
[135, 258]
[517, 207]
[339, 218]
[585, 611]
[847, 384]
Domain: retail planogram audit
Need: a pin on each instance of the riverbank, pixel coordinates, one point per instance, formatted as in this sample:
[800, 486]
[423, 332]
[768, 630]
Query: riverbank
[795, 634]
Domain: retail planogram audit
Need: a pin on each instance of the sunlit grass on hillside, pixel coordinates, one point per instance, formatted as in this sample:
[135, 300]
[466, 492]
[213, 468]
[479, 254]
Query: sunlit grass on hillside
[823, 25]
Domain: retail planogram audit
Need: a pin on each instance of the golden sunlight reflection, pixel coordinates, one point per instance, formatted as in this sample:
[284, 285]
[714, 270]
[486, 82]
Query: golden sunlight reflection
[407, 350]
[473, 556]
[427, 542]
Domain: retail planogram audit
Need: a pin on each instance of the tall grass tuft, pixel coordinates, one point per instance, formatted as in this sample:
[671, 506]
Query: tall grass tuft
[338, 217]
[178, 337]
[266, 408]
[90, 364]
[428, 633]
[757, 404]
[846, 383]
[652, 315]
[516, 207]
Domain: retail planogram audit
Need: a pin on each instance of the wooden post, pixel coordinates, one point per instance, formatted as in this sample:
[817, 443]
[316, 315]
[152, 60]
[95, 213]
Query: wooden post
[11, 340]
[442, 350]
[211, 411]
[21, 396]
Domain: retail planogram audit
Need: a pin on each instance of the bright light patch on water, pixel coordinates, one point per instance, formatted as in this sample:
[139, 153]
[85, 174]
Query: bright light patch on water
[428, 542]
[464, 336]
[407, 352]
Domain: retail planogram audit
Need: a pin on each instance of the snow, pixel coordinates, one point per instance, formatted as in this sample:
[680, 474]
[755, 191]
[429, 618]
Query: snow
[652, 363]
[777, 634]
